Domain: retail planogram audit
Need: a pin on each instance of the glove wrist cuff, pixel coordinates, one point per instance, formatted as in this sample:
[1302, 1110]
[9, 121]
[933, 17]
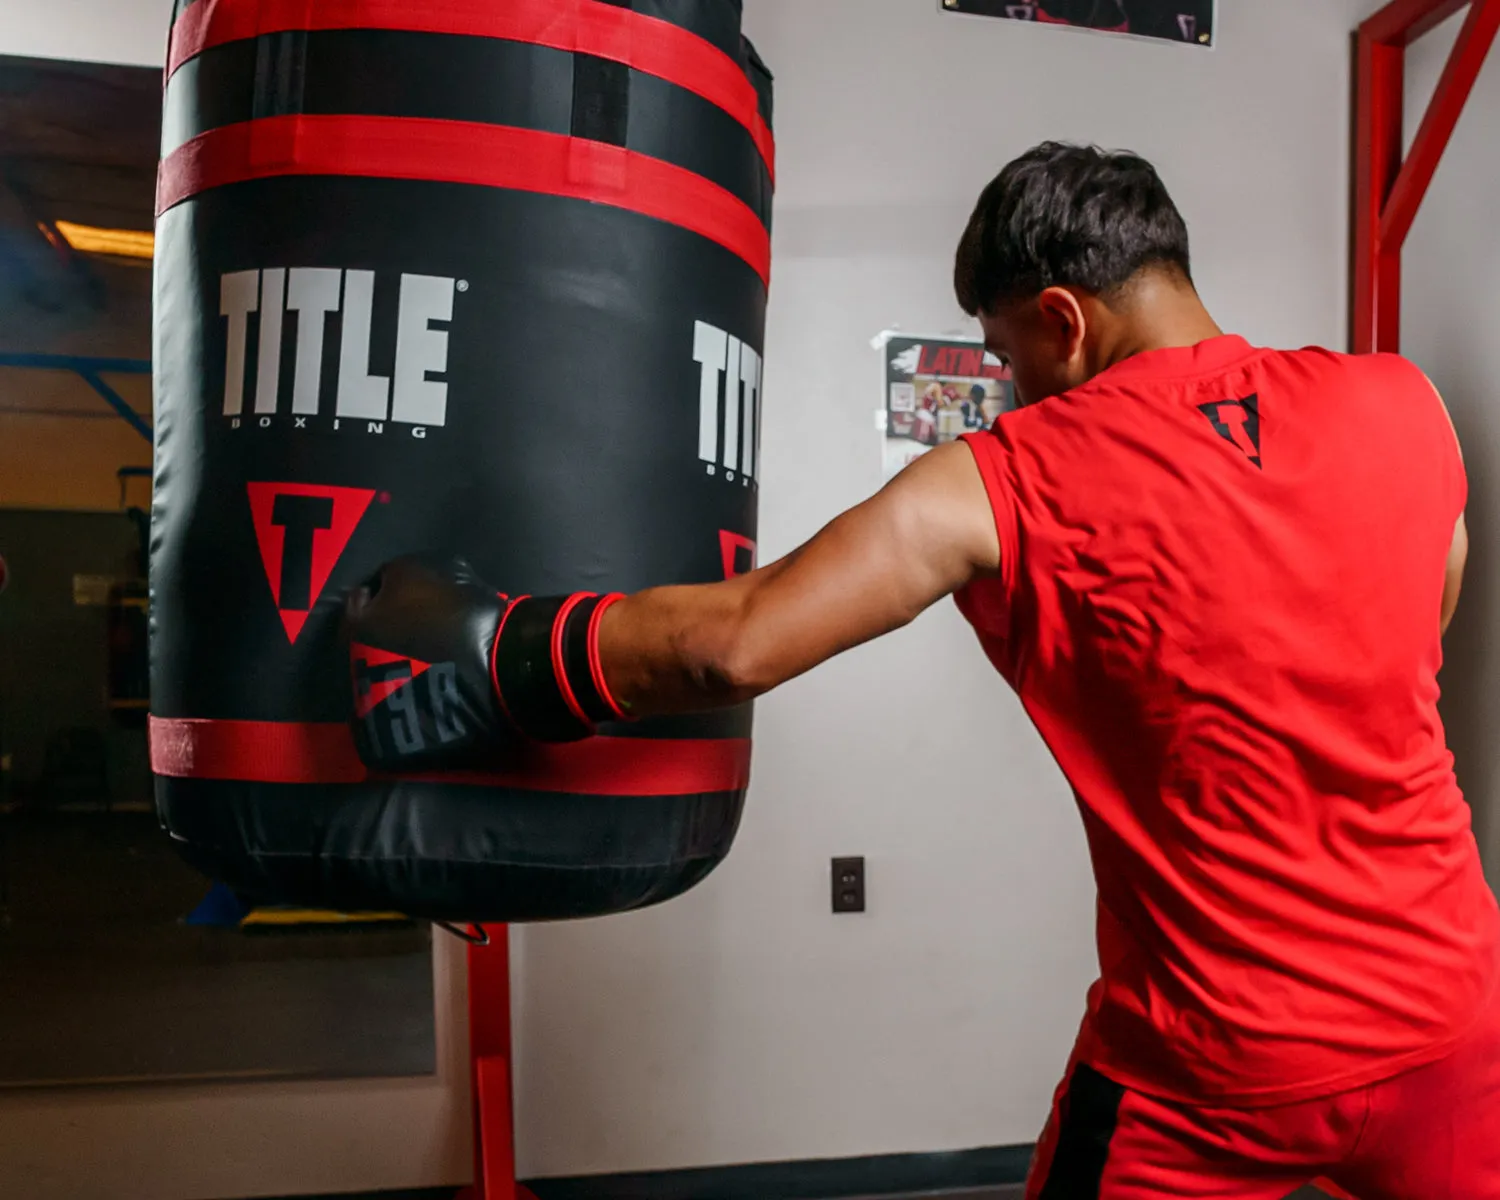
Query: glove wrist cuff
[546, 670]
[601, 699]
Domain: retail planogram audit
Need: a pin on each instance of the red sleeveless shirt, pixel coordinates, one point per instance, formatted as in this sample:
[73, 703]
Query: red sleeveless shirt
[1220, 604]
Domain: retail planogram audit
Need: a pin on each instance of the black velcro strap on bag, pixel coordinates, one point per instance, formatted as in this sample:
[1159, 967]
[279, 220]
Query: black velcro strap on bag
[601, 99]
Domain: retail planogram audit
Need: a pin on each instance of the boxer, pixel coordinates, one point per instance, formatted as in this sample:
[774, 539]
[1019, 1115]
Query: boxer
[1218, 578]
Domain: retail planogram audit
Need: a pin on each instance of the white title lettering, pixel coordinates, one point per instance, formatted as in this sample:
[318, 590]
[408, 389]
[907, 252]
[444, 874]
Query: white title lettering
[413, 394]
[728, 402]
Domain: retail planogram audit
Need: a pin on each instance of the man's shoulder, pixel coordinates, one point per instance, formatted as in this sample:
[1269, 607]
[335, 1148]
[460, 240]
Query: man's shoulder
[1373, 365]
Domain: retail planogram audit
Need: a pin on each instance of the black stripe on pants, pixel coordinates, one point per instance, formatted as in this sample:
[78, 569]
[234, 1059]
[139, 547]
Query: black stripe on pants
[1087, 1117]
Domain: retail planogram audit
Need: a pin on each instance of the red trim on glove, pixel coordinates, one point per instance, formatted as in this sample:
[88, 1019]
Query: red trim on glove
[596, 663]
[559, 667]
[494, 656]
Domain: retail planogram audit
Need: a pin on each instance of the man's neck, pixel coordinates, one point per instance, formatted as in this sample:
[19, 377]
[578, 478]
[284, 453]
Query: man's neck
[1159, 314]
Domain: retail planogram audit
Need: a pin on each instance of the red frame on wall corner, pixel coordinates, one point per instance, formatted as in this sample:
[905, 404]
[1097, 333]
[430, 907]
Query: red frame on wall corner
[1387, 190]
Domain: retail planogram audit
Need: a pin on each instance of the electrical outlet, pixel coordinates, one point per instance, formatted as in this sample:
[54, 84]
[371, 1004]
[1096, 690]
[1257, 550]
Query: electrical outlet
[849, 885]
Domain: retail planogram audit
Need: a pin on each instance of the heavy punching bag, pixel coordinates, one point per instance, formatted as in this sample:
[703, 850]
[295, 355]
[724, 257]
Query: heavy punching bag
[477, 278]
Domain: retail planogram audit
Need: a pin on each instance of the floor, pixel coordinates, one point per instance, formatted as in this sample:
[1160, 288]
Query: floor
[1007, 1193]
[1015, 1193]
[101, 979]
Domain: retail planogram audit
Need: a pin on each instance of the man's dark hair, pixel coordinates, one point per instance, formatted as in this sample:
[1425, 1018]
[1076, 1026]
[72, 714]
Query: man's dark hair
[1073, 216]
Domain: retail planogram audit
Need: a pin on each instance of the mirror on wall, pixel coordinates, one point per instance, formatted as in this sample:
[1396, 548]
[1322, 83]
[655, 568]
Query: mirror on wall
[118, 962]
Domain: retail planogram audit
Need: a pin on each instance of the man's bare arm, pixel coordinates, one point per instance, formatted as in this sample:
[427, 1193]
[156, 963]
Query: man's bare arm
[872, 570]
[1453, 578]
[1458, 549]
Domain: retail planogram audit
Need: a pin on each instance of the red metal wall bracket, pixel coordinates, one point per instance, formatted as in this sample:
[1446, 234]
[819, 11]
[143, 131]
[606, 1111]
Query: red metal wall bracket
[1388, 191]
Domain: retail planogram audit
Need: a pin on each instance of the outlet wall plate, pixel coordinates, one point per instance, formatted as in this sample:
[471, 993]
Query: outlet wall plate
[848, 880]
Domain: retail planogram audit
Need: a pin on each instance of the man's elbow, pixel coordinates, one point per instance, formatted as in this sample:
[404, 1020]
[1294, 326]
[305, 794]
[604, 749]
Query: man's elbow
[736, 667]
[736, 676]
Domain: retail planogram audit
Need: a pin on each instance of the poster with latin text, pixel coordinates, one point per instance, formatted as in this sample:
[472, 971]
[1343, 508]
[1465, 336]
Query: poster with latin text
[937, 389]
[1187, 21]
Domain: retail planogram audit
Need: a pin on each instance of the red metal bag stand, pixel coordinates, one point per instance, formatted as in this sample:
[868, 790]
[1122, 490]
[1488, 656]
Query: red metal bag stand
[490, 1054]
[1388, 191]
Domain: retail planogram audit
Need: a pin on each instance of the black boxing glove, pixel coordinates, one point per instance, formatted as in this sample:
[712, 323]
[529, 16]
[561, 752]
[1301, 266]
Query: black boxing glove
[449, 674]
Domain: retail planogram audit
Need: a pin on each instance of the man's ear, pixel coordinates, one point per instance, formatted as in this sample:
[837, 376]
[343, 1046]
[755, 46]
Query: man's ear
[1064, 319]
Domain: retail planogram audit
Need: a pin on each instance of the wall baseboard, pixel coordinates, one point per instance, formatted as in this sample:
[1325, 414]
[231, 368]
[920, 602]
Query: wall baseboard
[829, 1179]
[886, 1177]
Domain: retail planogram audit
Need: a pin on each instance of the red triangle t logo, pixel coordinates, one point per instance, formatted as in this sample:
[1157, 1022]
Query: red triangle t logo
[302, 530]
[738, 552]
[379, 673]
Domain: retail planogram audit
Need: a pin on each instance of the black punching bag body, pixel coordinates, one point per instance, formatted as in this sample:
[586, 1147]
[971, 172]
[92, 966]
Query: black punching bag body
[484, 279]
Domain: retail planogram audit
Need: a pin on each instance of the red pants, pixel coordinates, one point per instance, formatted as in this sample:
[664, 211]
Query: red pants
[1431, 1134]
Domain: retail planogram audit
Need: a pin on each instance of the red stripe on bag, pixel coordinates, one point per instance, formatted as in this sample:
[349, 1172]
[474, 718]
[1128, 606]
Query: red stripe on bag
[498, 156]
[285, 752]
[609, 31]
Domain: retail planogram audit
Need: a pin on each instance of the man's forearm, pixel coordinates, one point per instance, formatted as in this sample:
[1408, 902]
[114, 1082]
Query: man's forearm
[553, 669]
[677, 649]
[869, 571]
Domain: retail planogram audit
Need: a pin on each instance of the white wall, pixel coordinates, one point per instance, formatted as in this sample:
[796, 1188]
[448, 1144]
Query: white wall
[744, 1022]
[1451, 303]
[129, 32]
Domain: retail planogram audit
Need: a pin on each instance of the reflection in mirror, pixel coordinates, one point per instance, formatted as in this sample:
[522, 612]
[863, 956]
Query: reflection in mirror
[118, 962]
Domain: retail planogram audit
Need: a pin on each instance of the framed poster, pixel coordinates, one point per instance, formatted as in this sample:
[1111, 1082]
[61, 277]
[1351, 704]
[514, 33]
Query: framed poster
[1188, 21]
[937, 389]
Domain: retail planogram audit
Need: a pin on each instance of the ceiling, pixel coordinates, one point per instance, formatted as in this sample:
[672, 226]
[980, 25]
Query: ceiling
[78, 141]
